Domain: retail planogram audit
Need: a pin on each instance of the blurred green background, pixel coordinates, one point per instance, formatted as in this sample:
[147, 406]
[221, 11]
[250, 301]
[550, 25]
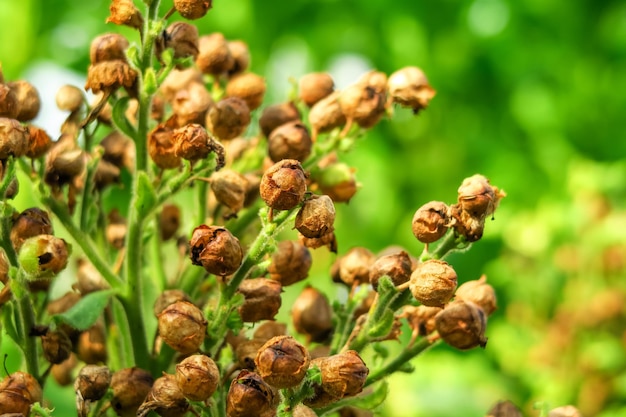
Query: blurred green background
[530, 93]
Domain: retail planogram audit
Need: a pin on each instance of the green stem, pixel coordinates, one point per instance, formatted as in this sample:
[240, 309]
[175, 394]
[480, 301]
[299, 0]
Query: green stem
[88, 192]
[138, 337]
[399, 361]
[156, 261]
[202, 190]
[346, 322]
[7, 176]
[25, 322]
[450, 243]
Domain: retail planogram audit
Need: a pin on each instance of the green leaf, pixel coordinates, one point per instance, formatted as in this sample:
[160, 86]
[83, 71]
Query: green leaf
[167, 57]
[375, 399]
[146, 196]
[133, 56]
[120, 120]
[382, 327]
[8, 324]
[150, 83]
[86, 311]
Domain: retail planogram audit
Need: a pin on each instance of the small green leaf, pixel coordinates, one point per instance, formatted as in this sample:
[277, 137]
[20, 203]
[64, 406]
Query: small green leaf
[146, 196]
[150, 83]
[375, 399]
[167, 57]
[120, 120]
[381, 350]
[86, 311]
[8, 324]
[314, 375]
[383, 326]
[132, 56]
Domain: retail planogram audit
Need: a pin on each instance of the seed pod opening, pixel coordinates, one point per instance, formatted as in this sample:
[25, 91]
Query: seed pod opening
[216, 249]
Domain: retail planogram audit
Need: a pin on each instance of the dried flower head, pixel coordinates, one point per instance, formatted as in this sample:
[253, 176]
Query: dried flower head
[478, 197]
[31, 222]
[108, 76]
[343, 375]
[91, 346]
[338, 181]
[56, 346]
[43, 256]
[39, 142]
[165, 398]
[191, 142]
[169, 221]
[168, 297]
[92, 382]
[241, 54]
[433, 282]
[161, 147]
[353, 268]
[283, 185]
[108, 47]
[409, 87]
[430, 222]
[326, 114]
[216, 249]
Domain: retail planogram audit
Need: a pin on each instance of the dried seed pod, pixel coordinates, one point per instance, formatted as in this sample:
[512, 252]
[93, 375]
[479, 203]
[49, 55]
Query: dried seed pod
[106, 174]
[343, 375]
[241, 54]
[250, 396]
[249, 87]
[179, 79]
[124, 12]
[361, 103]
[62, 373]
[14, 138]
[290, 263]
[565, 411]
[329, 240]
[18, 392]
[409, 87]
[289, 141]
[338, 181]
[262, 299]
[326, 114]
[478, 292]
[108, 76]
[396, 266]
[191, 103]
[214, 56]
[39, 142]
[88, 279]
[169, 221]
[277, 115]
[116, 229]
[130, 387]
[421, 318]
[168, 297]
[246, 351]
[216, 249]
[315, 86]
[182, 326]
[9, 103]
[229, 188]
[69, 98]
[29, 223]
[161, 147]
[504, 409]
[108, 47]
[354, 266]
[283, 185]
[433, 283]
[91, 347]
[312, 315]
[28, 99]
[464, 224]
[228, 118]
[461, 324]
[197, 377]
[56, 346]
[117, 149]
[165, 398]
[282, 362]
[269, 329]
[43, 256]
[316, 217]
[92, 382]
[430, 221]
[477, 197]
[193, 9]
[191, 142]
[183, 39]
[64, 162]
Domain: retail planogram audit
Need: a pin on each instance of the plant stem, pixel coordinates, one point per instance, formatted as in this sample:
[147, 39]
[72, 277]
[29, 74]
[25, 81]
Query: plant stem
[450, 243]
[25, 322]
[400, 361]
[202, 190]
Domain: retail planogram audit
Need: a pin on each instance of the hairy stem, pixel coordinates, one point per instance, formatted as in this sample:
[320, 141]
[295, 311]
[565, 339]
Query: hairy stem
[399, 361]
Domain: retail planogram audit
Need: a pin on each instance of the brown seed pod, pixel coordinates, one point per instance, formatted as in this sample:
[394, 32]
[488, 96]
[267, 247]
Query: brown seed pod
[108, 76]
[161, 147]
[462, 324]
[43, 256]
[92, 348]
[169, 221]
[88, 279]
[430, 222]
[241, 54]
[326, 114]
[182, 326]
[92, 382]
[282, 362]
[353, 268]
[478, 292]
[477, 197]
[183, 39]
[565, 411]
[216, 249]
[249, 87]
[504, 409]
[362, 103]
[315, 86]
[9, 103]
[130, 387]
[409, 87]
[28, 99]
[246, 351]
[56, 346]
[39, 142]
[29, 223]
[214, 56]
[18, 392]
[118, 149]
[62, 372]
[168, 297]
[289, 141]
[124, 12]
[108, 47]
[312, 315]
[14, 138]
[316, 217]
[290, 263]
[179, 79]
[396, 266]
[338, 181]
[191, 103]
[464, 224]
[283, 185]
[269, 329]
[106, 174]
[191, 142]
[421, 318]
[228, 118]
[250, 396]
[165, 398]
[277, 115]
[229, 188]
[197, 377]
[69, 98]
[193, 9]
[343, 375]
[262, 299]
[433, 283]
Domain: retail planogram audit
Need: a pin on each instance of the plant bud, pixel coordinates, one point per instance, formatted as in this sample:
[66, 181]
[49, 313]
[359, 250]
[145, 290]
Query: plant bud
[161, 147]
[18, 392]
[92, 348]
[69, 98]
[249, 87]
[316, 217]
[28, 99]
[229, 188]
[182, 326]
[214, 56]
[343, 375]
[396, 266]
[282, 362]
[289, 141]
[130, 387]
[169, 221]
[326, 114]
[430, 222]
[241, 54]
[108, 47]
[338, 181]
[354, 266]
[290, 263]
[39, 142]
[168, 297]
[262, 299]
[14, 138]
[250, 396]
[246, 351]
[312, 315]
[228, 118]
[277, 115]
[193, 9]
[421, 318]
[565, 411]
[409, 87]
[479, 293]
[183, 39]
[165, 398]
[315, 86]
[62, 373]
[88, 278]
[191, 142]
[216, 249]
[433, 283]
[268, 330]
[461, 324]
[43, 256]
[93, 382]
[9, 103]
[56, 346]
[197, 377]
[283, 185]
[504, 409]
[477, 197]
[30, 223]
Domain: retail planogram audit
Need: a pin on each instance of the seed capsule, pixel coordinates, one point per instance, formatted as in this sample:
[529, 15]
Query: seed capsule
[130, 387]
[396, 266]
[343, 375]
[193, 9]
[18, 392]
[69, 98]
[246, 351]
[168, 297]
[108, 76]
[462, 325]
[430, 222]
[91, 347]
[282, 362]
[161, 147]
[477, 197]
[165, 398]
[124, 12]
[183, 39]
[56, 346]
[169, 221]
[354, 267]
[315, 86]
[478, 292]
[338, 181]
[197, 377]
[88, 278]
[93, 382]
[269, 329]
[250, 396]
[409, 87]
[249, 87]
[277, 115]
[216, 249]
[63, 372]
[421, 318]
[191, 142]
[289, 141]
[290, 263]
[283, 185]
[9, 103]
[30, 223]
[316, 217]
[14, 138]
[28, 99]
[312, 315]
[241, 54]
[43, 256]
[229, 188]
[214, 56]
[182, 326]
[262, 299]
[228, 118]
[108, 47]
[326, 114]
[39, 142]
[362, 103]
[433, 283]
